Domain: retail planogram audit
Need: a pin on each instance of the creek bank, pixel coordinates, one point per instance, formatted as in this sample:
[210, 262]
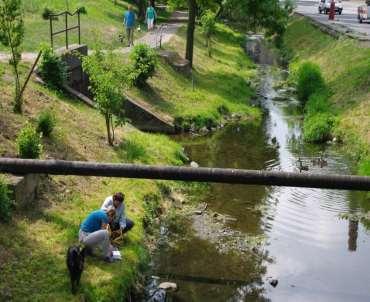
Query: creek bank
[343, 63]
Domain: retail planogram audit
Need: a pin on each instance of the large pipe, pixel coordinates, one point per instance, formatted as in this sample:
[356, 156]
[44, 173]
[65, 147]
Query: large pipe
[232, 176]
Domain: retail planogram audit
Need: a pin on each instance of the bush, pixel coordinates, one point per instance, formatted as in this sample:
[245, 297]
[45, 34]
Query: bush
[364, 166]
[317, 128]
[29, 143]
[317, 103]
[144, 61]
[5, 202]
[45, 123]
[309, 81]
[52, 69]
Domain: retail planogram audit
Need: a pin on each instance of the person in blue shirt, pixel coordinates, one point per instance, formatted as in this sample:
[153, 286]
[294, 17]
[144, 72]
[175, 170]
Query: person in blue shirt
[94, 231]
[129, 23]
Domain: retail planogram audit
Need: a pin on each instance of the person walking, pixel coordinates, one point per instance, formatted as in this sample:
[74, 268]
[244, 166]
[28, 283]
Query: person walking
[150, 16]
[129, 23]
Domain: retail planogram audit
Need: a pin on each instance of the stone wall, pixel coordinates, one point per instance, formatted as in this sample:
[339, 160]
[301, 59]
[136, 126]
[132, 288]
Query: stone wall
[24, 189]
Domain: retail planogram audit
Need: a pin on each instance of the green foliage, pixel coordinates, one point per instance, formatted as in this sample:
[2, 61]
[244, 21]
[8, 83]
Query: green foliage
[318, 128]
[317, 103]
[271, 15]
[52, 69]
[364, 167]
[11, 35]
[309, 81]
[45, 123]
[152, 209]
[108, 77]
[29, 143]
[144, 60]
[5, 202]
[82, 10]
[46, 14]
[208, 21]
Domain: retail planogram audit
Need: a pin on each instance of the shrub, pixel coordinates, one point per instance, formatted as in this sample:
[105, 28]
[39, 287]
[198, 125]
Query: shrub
[46, 14]
[309, 81]
[317, 128]
[144, 61]
[208, 21]
[364, 166]
[52, 69]
[317, 103]
[45, 123]
[29, 143]
[5, 202]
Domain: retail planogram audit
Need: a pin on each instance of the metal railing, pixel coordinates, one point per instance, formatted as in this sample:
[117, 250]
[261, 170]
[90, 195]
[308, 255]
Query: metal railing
[232, 176]
[66, 28]
[159, 35]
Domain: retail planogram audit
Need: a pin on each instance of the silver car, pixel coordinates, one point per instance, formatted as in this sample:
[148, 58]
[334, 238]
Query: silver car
[324, 6]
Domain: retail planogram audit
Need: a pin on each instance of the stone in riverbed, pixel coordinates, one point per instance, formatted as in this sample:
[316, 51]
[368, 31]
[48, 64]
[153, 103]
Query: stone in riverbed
[168, 286]
[274, 282]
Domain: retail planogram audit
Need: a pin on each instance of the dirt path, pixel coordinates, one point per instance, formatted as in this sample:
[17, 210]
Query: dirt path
[162, 34]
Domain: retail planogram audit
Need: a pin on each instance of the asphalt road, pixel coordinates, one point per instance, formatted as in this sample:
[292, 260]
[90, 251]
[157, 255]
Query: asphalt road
[347, 21]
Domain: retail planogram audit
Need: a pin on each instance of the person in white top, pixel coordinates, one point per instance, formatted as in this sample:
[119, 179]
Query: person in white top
[120, 222]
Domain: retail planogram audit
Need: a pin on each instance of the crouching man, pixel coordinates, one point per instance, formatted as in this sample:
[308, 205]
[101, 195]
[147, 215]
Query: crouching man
[121, 224]
[94, 231]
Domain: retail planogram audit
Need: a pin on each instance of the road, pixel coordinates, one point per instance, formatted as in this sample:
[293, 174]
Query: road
[346, 22]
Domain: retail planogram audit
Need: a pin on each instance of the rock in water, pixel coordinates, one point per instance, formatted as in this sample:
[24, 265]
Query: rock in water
[274, 282]
[168, 286]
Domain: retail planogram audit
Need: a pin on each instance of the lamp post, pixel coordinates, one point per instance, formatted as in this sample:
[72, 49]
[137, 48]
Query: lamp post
[332, 10]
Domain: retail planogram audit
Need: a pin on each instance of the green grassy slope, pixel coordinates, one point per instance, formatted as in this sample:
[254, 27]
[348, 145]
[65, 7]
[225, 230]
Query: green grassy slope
[33, 245]
[219, 81]
[345, 64]
[103, 18]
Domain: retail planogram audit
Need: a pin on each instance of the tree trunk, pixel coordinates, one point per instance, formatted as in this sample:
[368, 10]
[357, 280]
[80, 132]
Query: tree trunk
[107, 123]
[141, 6]
[190, 33]
[220, 9]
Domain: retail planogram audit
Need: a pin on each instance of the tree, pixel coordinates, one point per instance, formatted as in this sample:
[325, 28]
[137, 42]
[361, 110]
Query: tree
[108, 78]
[270, 15]
[141, 5]
[208, 21]
[190, 31]
[11, 35]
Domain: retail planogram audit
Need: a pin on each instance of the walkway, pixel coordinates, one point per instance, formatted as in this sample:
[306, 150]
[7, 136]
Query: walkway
[163, 32]
[346, 23]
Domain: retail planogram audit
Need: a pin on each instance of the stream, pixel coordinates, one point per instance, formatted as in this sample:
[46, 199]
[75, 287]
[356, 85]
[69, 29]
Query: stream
[256, 243]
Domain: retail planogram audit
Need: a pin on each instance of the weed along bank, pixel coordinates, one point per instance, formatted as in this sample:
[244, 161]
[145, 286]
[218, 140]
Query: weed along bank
[189, 166]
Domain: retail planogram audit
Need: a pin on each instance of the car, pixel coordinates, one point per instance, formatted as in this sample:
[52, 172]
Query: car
[324, 6]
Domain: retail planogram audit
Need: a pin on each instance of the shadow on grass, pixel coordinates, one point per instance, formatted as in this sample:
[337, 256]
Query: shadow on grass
[154, 97]
[231, 87]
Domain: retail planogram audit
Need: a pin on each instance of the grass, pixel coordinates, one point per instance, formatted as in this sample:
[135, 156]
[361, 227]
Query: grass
[345, 65]
[34, 243]
[220, 81]
[103, 19]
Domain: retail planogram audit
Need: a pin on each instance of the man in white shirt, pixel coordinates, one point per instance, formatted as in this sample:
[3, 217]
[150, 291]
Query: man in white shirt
[121, 222]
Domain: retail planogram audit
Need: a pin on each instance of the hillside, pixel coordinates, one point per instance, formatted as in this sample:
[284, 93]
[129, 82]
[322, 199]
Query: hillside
[222, 83]
[345, 64]
[41, 233]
